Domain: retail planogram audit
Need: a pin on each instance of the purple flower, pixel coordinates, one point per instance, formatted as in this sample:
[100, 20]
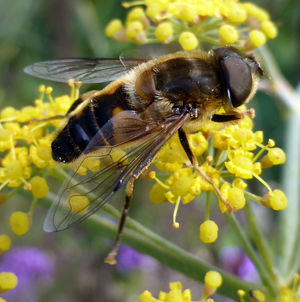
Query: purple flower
[31, 265]
[129, 260]
[235, 261]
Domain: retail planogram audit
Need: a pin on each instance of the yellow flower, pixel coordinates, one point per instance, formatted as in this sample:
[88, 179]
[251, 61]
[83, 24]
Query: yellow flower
[8, 281]
[213, 174]
[39, 187]
[209, 231]
[5, 243]
[78, 203]
[235, 196]
[275, 200]
[20, 223]
[166, 21]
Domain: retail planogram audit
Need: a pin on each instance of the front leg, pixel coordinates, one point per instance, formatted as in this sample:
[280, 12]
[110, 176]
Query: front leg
[233, 115]
[185, 144]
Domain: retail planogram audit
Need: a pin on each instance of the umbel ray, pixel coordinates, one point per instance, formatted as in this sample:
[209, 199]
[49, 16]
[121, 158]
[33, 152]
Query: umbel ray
[126, 124]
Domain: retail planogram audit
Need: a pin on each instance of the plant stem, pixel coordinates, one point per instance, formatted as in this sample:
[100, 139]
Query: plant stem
[289, 224]
[237, 228]
[147, 242]
[261, 243]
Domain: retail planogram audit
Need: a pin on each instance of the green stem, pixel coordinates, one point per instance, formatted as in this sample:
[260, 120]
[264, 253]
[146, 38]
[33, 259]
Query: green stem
[147, 242]
[289, 224]
[252, 196]
[261, 244]
[207, 209]
[237, 228]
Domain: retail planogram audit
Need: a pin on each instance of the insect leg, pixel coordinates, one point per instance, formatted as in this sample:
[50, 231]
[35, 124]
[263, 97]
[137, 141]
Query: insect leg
[234, 115]
[185, 144]
[111, 257]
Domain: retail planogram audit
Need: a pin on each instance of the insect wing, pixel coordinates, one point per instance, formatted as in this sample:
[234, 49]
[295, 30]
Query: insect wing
[124, 146]
[84, 70]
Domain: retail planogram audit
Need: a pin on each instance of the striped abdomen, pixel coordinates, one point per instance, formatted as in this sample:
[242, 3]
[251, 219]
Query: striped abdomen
[82, 126]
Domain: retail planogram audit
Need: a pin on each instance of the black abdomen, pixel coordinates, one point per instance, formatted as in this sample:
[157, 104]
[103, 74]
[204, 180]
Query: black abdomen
[84, 125]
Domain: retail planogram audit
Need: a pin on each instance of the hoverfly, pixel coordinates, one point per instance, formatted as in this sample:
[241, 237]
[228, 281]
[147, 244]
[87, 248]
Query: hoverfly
[126, 124]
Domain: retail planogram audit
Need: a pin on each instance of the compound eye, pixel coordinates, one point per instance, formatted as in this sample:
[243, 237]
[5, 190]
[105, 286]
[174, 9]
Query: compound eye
[238, 79]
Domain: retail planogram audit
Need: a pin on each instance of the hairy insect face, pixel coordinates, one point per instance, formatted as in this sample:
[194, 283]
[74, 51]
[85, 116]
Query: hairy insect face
[125, 125]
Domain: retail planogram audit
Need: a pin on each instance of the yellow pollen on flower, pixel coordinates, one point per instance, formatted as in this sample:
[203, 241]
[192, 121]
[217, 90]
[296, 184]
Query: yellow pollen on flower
[20, 223]
[8, 281]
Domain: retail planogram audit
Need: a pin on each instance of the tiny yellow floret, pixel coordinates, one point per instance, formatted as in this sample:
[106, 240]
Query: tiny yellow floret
[257, 37]
[5, 243]
[39, 187]
[134, 29]
[237, 15]
[188, 41]
[78, 203]
[213, 279]
[259, 296]
[157, 194]
[14, 170]
[164, 32]
[8, 281]
[187, 13]
[270, 29]
[229, 33]
[113, 27]
[20, 223]
[208, 231]
[278, 201]
[276, 156]
[146, 296]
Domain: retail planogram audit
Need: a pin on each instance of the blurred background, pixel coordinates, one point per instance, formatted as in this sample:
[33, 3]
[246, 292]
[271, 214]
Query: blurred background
[69, 266]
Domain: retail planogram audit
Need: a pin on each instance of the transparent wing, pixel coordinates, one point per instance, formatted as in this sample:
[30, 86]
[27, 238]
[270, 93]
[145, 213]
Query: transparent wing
[84, 70]
[123, 147]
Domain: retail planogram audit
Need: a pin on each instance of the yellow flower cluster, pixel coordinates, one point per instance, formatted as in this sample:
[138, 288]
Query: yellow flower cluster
[212, 281]
[25, 146]
[189, 22]
[234, 156]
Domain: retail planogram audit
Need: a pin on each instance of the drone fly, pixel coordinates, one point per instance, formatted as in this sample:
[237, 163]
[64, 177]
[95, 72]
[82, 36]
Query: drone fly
[126, 124]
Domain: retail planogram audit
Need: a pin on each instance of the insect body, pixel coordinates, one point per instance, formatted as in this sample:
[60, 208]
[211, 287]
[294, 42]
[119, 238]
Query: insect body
[126, 124]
